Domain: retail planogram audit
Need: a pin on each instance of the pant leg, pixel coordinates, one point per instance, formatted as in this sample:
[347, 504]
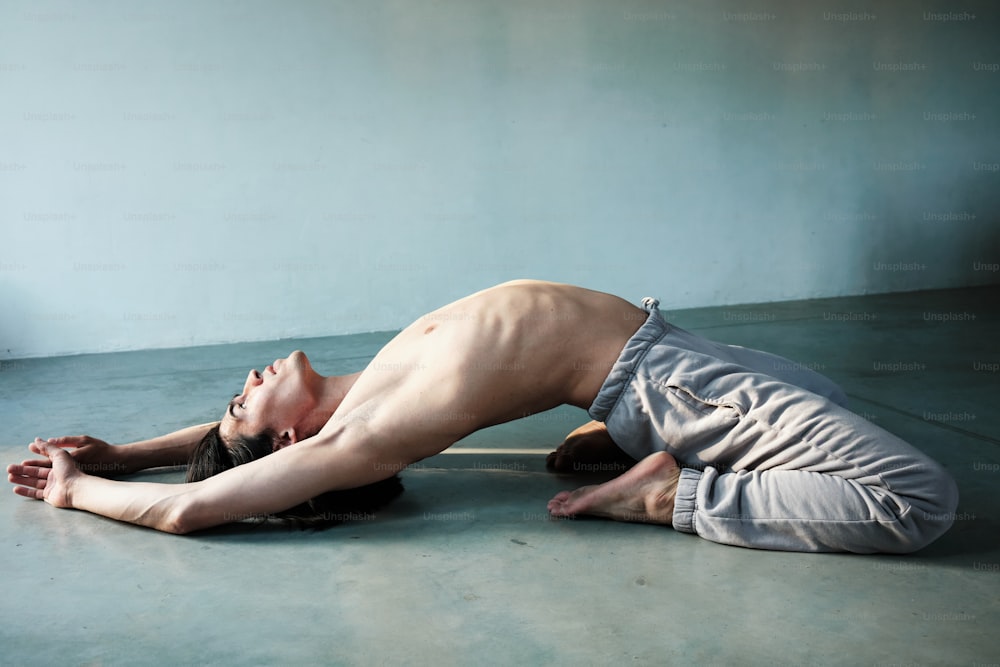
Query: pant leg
[767, 363]
[771, 465]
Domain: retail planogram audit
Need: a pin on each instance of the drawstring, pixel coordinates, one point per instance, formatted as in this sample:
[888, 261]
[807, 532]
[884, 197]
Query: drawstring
[650, 304]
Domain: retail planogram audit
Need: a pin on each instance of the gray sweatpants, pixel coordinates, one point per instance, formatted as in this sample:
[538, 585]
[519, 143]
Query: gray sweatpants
[771, 459]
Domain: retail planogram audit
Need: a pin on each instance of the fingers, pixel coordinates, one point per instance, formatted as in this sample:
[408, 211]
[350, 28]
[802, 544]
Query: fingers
[34, 494]
[40, 463]
[69, 440]
[30, 480]
[72, 441]
[559, 461]
[42, 447]
[21, 473]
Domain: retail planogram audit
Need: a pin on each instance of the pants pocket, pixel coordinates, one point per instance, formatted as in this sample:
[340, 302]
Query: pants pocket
[730, 409]
[674, 419]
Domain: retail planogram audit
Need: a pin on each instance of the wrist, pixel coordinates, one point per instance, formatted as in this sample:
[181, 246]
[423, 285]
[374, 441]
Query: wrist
[74, 489]
[121, 459]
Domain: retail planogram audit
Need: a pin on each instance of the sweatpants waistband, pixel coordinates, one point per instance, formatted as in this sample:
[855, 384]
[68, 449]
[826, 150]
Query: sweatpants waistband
[651, 331]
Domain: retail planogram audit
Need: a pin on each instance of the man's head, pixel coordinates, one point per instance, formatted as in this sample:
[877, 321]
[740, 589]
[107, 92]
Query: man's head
[283, 401]
[277, 408]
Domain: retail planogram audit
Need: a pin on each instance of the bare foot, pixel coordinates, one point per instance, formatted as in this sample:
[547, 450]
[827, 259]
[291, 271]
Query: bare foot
[644, 494]
[589, 449]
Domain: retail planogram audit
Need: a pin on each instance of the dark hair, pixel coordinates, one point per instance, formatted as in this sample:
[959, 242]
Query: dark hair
[213, 455]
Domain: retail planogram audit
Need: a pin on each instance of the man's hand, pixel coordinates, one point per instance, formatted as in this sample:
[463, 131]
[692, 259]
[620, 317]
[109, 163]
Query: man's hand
[50, 479]
[92, 456]
[589, 448]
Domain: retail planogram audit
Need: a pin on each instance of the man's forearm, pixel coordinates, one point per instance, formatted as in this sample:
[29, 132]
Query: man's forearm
[253, 490]
[171, 449]
[256, 489]
[141, 503]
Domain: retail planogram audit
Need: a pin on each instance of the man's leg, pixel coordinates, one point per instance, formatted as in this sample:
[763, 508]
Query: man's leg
[776, 366]
[797, 473]
[767, 464]
[590, 444]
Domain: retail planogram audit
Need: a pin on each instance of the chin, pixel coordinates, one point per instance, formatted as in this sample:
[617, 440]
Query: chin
[299, 358]
[298, 361]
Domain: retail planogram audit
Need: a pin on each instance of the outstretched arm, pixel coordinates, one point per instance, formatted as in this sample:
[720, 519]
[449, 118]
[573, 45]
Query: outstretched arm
[171, 449]
[329, 461]
[97, 457]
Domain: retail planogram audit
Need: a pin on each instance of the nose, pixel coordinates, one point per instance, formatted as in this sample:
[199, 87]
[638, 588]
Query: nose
[253, 379]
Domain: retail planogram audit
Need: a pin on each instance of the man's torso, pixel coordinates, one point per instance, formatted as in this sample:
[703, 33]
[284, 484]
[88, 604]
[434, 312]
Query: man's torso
[496, 355]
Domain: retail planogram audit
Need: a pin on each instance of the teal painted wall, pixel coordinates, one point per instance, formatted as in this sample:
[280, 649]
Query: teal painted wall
[184, 173]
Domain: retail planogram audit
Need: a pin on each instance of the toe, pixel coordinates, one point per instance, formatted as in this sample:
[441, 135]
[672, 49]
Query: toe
[563, 462]
[557, 506]
[550, 460]
[560, 460]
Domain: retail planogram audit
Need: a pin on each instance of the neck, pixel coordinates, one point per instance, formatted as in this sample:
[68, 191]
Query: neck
[335, 388]
[332, 391]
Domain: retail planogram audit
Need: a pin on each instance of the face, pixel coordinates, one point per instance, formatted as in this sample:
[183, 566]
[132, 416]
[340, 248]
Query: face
[279, 398]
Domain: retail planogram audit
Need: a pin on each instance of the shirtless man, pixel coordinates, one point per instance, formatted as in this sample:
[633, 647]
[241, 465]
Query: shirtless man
[768, 458]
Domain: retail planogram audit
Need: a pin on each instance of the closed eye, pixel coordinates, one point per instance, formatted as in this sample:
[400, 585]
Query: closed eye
[233, 405]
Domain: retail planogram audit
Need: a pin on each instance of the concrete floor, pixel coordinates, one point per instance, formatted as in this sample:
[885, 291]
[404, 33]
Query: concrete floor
[466, 568]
